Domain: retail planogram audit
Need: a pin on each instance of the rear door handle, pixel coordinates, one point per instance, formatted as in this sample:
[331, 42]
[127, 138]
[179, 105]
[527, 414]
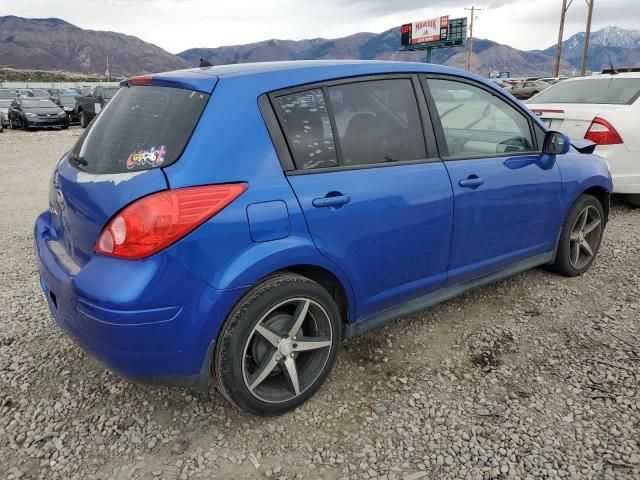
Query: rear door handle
[473, 181]
[336, 201]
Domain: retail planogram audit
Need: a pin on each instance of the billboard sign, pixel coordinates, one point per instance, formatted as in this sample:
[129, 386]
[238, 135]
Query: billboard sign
[431, 30]
[435, 32]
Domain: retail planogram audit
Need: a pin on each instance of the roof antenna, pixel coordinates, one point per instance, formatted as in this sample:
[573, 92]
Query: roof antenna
[613, 70]
[205, 63]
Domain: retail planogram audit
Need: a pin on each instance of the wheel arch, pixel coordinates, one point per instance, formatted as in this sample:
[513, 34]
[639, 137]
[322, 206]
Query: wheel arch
[602, 195]
[329, 281]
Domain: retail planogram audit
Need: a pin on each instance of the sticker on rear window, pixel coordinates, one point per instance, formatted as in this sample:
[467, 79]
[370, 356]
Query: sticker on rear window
[153, 157]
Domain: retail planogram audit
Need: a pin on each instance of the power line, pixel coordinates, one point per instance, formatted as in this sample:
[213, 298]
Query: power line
[470, 42]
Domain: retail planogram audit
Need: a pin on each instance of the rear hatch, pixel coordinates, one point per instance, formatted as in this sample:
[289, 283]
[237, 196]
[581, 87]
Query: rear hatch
[119, 158]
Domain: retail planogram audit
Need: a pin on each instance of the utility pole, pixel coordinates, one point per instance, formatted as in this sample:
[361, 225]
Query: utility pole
[565, 7]
[470, 41]
[107, 73]
[585, 51]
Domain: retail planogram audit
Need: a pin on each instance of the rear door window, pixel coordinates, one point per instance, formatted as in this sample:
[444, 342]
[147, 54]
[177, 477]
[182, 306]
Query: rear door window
[377, 122]
[142, 127]
[365, 123]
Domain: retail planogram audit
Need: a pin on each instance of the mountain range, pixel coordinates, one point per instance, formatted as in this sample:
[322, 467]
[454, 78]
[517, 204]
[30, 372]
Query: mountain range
[55, 44]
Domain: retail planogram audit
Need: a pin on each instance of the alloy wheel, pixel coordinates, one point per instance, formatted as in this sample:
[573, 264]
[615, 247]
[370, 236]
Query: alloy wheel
[287, 350]
[585, 237]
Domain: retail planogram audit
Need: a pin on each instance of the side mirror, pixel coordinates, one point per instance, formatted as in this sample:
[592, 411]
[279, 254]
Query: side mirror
[556, 143]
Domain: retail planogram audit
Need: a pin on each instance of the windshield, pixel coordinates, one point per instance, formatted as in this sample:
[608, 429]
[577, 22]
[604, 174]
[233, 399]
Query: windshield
[613, 91]
[143, 127]
[67, 100]
[39, 93]
[38, 104]
[109, 92]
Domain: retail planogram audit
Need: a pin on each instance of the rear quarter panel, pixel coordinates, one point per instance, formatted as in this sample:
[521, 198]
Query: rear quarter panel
[232, 144]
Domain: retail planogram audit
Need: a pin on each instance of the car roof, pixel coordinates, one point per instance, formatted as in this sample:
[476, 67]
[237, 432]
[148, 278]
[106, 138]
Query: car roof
[605, 75]
[269, 76]
[320, 66]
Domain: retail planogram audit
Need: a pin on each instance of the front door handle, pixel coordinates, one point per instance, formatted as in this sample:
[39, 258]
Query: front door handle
[336, 201]
[473, 181]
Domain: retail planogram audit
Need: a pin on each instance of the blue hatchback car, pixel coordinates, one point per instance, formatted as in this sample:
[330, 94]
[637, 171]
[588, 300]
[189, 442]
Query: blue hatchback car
[238, 222]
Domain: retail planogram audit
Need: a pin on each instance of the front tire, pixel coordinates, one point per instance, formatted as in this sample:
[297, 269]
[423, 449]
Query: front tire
[278, 345]
[580, 238]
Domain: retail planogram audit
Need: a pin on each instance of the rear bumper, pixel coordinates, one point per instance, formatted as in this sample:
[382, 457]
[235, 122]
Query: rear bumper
[151, 320]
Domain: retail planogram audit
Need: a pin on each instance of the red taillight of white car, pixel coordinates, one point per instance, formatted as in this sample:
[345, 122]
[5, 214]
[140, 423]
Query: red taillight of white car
[602, 132]
[154, 222]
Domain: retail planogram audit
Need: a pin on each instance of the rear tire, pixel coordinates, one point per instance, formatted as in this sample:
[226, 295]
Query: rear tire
[580, 238]
[278, 345]
[634, 200]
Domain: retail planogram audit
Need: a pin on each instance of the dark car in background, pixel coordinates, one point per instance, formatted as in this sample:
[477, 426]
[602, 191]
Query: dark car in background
[39, 93]
[29, 113]
[7, 96]
[67, 101]
[90, 105]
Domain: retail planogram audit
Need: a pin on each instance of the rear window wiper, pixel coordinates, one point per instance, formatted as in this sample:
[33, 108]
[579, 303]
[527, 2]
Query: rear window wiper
[75, 158]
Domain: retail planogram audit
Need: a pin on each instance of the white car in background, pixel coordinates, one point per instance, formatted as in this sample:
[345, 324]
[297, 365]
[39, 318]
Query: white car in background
[606, 110]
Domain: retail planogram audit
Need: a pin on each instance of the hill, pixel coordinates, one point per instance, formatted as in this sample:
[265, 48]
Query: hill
[53, 44]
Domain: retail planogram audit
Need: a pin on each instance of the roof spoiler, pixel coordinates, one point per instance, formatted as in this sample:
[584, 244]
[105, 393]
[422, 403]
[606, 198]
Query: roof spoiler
[583, 146]
[620, 70]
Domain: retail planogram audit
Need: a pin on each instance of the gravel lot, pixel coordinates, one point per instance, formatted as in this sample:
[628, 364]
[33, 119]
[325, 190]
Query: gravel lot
[533, 377]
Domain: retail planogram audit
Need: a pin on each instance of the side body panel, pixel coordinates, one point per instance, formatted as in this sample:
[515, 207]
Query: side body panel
[392, 239]
[512, 216]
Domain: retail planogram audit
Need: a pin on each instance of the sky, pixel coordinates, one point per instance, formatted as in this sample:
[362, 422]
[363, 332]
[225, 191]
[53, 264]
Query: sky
[177, 25]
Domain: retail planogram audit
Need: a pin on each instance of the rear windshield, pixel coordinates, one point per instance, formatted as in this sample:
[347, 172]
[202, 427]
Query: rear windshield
[143, 127]
[613, 91]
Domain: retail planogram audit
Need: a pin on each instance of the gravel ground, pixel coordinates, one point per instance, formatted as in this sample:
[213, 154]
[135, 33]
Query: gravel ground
[533, 377]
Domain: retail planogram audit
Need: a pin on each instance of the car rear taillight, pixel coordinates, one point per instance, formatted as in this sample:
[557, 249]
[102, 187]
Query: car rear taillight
[602, 132]
[154, 222]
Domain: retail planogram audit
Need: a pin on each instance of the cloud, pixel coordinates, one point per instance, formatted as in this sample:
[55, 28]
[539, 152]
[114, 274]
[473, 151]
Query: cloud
[180, 24]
